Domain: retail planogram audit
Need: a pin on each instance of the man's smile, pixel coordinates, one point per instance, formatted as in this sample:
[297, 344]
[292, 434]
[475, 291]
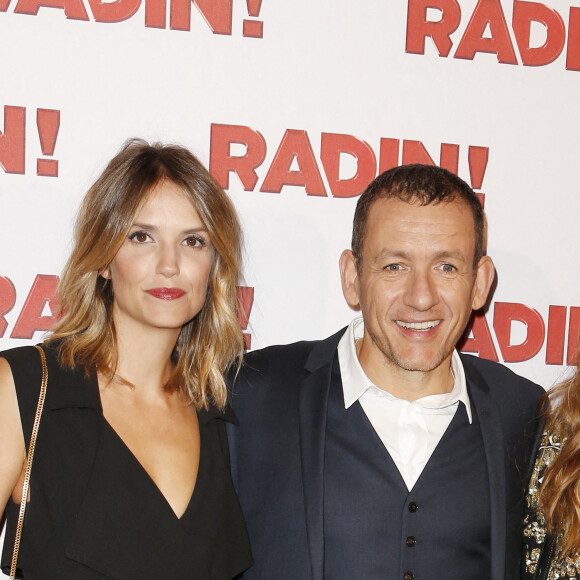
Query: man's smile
[418, 325]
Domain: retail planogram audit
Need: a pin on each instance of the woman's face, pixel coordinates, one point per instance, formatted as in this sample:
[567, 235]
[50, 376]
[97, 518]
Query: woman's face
[160, 274]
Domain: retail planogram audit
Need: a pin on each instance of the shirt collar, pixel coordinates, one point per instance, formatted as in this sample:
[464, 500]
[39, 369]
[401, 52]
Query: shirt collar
[355, 382]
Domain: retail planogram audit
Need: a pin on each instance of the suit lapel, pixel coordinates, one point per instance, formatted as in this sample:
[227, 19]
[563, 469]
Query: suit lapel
[493, 441]
[313, 405]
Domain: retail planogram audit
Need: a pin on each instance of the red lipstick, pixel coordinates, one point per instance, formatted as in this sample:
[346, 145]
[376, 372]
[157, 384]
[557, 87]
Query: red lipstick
[166, 293]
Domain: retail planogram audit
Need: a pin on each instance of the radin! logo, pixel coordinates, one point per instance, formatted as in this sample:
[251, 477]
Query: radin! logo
[13, 141]
[216, 13]
[344, 166]
[487, 31]
[560, 334]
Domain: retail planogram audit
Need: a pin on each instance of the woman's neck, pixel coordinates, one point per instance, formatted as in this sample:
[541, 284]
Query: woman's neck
[144, 359]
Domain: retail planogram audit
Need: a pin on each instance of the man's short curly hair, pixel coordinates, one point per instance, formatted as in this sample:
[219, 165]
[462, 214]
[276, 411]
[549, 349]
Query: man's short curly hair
[421, 184]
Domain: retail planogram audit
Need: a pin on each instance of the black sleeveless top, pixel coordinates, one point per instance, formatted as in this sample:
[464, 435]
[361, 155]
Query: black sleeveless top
[95, 513]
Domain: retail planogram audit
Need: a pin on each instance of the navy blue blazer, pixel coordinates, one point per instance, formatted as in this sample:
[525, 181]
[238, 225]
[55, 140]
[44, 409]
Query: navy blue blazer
[280, 397]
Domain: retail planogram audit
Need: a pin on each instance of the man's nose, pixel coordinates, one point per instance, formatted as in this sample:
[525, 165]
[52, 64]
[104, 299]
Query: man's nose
[421, 292]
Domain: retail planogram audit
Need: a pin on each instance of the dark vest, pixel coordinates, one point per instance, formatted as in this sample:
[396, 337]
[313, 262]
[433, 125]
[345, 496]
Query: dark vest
[375, 528]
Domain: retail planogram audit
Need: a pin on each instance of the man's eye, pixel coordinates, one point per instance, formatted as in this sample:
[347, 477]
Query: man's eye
[448, 268]
[393, 267]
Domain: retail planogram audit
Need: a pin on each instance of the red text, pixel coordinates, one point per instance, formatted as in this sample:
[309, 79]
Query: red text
[296, 150]
[553, 334]
[43, 293]
[487, 31]
[217, 14]
[13, 140]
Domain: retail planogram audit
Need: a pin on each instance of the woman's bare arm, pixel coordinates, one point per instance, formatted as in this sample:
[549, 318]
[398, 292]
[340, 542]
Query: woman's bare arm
[12, 448]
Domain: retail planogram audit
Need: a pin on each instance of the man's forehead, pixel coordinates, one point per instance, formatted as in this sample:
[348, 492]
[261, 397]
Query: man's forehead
[417, 201]
[392, 219]
[385, 207]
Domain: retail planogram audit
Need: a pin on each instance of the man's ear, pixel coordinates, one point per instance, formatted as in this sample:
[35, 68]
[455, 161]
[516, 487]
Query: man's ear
[484, 276]
[349, 278]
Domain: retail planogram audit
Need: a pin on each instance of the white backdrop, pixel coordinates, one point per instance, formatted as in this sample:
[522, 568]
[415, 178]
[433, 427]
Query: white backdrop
[287, 83]
[320, 72]
[321, 81]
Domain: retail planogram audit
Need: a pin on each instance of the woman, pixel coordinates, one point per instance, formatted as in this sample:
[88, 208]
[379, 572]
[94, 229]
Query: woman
[130, 477]
[552, 522]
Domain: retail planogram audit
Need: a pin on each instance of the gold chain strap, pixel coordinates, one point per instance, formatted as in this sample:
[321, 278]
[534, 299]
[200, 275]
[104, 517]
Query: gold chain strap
[29, 458]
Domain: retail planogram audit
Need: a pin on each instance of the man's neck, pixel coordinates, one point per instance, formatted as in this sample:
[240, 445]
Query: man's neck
[405, 384]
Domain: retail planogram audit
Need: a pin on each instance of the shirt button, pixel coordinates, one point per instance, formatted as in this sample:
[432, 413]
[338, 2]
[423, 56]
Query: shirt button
[408, 576]
[411, 541]
[413, 507]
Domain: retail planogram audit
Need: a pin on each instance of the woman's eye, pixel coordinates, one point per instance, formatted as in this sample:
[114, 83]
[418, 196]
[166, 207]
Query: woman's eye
[139, 237]
[194, 242]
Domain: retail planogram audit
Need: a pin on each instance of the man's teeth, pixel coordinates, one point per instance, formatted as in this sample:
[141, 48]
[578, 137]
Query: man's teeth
[419, 325]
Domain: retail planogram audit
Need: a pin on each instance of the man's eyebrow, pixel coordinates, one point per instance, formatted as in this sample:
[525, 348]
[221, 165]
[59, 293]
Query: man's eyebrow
[450, 254]
[400, 254]
[392, 254]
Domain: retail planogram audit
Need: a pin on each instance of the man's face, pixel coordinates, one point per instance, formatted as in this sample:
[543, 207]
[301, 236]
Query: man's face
[417, 285]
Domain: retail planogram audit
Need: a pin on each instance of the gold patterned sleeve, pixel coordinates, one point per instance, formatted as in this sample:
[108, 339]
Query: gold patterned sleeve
[535, 524]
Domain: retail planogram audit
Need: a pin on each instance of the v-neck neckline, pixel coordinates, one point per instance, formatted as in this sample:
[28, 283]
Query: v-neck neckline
[158, 492]
[148, 477]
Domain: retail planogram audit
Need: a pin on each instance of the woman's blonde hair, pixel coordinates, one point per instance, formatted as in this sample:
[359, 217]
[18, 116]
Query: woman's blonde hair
[210, 343]
[560, 490]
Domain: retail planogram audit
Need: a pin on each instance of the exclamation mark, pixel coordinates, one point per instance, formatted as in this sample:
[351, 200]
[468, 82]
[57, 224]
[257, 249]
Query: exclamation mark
[48, 122]
[245, 303]
[254, 28]
[478, 157]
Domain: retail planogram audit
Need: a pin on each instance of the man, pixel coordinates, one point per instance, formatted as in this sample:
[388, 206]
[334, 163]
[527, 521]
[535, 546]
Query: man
[381, 452]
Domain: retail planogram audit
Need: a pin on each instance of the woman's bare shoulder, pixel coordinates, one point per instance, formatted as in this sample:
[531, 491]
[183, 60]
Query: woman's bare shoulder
[7, 386]
[12, 448]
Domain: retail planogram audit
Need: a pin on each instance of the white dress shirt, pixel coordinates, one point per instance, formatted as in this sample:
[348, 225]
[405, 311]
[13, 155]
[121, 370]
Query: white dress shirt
[410, 431]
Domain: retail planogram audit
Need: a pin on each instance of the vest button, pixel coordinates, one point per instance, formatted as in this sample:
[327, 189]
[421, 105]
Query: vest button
[413, 507]
[408, 576]
[411, 541]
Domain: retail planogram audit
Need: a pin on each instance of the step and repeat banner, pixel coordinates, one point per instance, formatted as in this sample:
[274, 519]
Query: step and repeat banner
[295, 107]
